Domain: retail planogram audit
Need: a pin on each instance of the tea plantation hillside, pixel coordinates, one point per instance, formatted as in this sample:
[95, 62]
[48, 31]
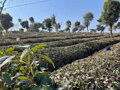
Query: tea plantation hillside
[62, 48]
[81, 62]
[62, 51]
[100, 71]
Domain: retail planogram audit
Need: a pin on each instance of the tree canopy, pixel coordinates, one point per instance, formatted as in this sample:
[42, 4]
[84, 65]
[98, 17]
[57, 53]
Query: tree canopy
[57, 26]
[100, 28]
[110, 14]
[25, 24]
[68, 24]
[48, 24]
[87, 19]
[35, 27]
[76, 26]
[6, 21]
[32, 20]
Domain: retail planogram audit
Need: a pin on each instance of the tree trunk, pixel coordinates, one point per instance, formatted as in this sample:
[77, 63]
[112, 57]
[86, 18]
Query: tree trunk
[27, 29]
[69, 30]
[56, 30]
[87, 29]
[49, 30]
[111, 33]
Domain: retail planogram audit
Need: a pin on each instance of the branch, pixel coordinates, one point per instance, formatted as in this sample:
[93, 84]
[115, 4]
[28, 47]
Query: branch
[2, 7]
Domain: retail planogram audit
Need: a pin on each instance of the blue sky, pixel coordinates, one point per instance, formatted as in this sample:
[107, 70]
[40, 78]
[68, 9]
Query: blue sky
[64, 10]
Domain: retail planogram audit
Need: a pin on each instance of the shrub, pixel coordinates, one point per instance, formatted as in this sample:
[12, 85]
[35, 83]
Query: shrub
[23, 73]
[6, 42]
[65, 55]
[98, 72]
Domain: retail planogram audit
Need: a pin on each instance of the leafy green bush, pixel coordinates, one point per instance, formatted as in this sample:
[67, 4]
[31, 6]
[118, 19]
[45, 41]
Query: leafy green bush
[20, 71]
[43, 35]
[5, 42]
[65, 55]
[100, 71]
[63, 43]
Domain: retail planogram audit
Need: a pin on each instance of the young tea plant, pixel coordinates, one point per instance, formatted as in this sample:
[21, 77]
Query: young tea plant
[20, 69]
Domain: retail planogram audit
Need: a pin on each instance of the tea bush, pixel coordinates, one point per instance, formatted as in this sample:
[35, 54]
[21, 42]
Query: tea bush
[98, 72]
[20, 71]
[64, 55]
[6, 42]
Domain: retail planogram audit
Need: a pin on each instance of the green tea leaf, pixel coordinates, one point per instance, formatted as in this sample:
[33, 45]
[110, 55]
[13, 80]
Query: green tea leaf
[48, 59]
[7, 61]
[24, 82]
[38, 47]
[1, 53]
[22, 68]
[15, 61]
[31, 69]
[9, 50]
[23, 46]
[24, 53]
[28, 59]
[3, 59]
[17, 75]
[43, 73]
[36, 88]
[47, 87]
[42, 79]
[6, 78]
[23, 78]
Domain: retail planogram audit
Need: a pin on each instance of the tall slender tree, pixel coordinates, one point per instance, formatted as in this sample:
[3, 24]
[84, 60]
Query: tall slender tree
[57, 27]
[53, 21]
[68, 24]
[110, 14]
[19, 20]
[31, 19]
[74, 29]
[48, 24]
[6, 21]
[77, 25]
[81, 28]
[35, 27]
[87, 19]
[25, 24]
[100, 28]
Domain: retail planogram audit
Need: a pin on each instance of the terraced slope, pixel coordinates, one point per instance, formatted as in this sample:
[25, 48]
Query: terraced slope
[94, 72]
[65, 50]
[49, 38]
[100, 71]
[41, 35]
[65, 55]
[7, 41]
[37, 38]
